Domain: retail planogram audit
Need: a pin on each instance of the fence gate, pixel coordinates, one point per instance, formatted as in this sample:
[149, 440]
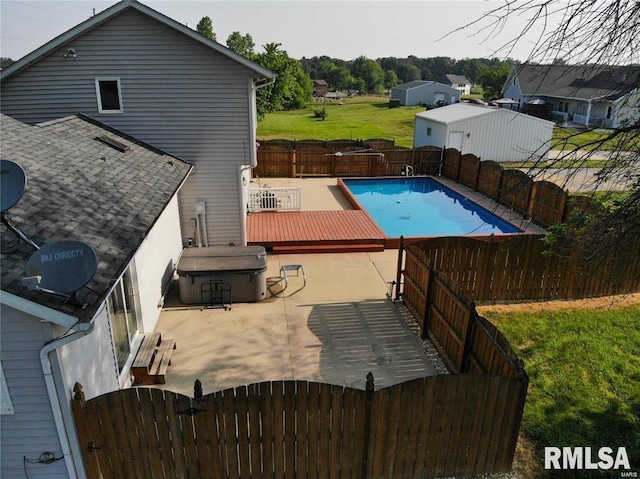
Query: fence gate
[429, 427]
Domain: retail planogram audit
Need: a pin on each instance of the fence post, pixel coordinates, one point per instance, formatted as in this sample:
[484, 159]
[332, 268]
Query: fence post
[399, 270]
[367, 425]
[466, 350]
[292, 162]
[87, 445]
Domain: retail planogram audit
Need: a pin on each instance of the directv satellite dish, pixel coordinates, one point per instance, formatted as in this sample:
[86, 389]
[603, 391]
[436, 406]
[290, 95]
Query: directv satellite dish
[63, 266]
[12, 184]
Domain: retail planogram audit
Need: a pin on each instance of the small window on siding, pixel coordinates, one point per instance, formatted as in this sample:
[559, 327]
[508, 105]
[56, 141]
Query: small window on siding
[109, 95]
[6, 406]
[428, 131]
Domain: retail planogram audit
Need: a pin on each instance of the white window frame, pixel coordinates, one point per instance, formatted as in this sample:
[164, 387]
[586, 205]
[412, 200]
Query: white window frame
[134, 337]
[6, 405]
[99, 96]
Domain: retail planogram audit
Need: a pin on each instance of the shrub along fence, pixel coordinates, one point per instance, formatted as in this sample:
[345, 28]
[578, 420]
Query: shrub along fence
[541, 201]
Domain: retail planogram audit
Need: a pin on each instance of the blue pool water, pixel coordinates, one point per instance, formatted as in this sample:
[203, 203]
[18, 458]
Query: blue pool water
[424, 207]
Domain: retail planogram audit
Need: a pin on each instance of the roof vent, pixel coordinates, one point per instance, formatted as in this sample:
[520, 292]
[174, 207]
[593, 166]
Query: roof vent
[116, 145]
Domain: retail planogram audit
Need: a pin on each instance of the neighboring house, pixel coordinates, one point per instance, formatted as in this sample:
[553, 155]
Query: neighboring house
[490, 133]
[151, 77]
[91, 183]
[459, 82]
[604, 96]
[420, 92]
[320, 88]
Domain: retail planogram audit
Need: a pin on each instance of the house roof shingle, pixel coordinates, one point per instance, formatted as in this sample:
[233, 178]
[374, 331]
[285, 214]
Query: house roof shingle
[83, 189]
[577, 82]
[451, 79]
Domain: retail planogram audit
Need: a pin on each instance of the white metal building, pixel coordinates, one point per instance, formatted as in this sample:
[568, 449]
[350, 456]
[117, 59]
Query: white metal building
[490, 133]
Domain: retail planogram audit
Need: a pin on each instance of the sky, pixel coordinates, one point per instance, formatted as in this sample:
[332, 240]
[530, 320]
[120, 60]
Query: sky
[343, 29]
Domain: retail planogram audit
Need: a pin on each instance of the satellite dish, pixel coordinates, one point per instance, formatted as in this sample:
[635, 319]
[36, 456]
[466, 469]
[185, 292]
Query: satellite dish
[12, 184]
[63, 266]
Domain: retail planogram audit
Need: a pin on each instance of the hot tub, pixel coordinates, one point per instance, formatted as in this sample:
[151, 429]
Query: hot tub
[220, 274]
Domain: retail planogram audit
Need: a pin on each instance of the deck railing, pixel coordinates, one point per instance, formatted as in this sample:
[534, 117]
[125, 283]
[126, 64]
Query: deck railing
[275, 199]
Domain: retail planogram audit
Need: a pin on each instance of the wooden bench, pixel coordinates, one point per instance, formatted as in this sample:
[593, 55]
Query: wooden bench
[153, 359]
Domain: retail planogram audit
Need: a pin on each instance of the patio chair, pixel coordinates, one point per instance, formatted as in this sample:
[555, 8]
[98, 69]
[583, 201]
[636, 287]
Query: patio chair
[287, 269]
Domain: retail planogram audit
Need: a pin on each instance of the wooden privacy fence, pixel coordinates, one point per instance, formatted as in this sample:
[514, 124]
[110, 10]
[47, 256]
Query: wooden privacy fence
[429, 427]
[523, 268]
[541, 201]
[376, 157]
[467, 342]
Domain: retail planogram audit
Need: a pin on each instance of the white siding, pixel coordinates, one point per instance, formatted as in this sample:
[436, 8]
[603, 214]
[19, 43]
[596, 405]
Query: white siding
[626, 110]
[31, 430]
[499, 136]
[438, 135]
[503, 136]
[177, 94]
[155, 262]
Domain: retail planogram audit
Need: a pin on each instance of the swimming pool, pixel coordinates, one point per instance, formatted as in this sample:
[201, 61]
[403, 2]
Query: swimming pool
[422, 207]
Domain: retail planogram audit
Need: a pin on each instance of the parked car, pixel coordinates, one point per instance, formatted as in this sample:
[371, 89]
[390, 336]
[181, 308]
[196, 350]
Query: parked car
[475, 101]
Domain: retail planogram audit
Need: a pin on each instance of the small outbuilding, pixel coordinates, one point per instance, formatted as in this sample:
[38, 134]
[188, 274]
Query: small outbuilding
[420, 92]
[490, 133]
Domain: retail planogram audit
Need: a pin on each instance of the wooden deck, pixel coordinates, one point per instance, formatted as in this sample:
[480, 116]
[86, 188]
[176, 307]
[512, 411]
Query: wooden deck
[315, 231]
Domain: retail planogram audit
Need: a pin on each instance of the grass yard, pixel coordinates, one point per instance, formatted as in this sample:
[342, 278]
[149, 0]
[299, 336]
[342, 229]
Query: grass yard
[568, 139]
[584, 370]
[358, 118]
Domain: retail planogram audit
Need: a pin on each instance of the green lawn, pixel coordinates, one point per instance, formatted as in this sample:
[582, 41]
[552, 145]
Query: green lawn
[358, 118]
[584, 369]
[366, 117]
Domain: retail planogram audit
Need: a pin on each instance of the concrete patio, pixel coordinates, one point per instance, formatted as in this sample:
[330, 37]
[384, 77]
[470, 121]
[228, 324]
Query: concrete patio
[336, 329]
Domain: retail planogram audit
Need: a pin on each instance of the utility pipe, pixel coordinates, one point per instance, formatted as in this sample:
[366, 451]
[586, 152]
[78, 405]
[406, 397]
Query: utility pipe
[52, 391]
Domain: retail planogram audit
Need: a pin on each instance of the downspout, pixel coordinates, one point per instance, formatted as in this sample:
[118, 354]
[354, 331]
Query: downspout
[255, 86]
[52, 391]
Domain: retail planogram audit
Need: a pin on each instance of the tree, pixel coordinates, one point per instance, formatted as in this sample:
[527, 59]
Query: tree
[370, 72]
[390, 79]
[241, 44]
[205, 27]
[492, 79]
[588, 34]
[292, 87]
[5, 62]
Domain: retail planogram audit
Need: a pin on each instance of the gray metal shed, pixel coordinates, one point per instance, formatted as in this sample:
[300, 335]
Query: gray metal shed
[420, 92]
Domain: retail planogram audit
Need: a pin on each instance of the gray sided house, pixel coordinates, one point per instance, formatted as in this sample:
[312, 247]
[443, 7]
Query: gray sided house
[592, 95]
[90, 183]
[420, 92]
[153, 78]
[490, 133]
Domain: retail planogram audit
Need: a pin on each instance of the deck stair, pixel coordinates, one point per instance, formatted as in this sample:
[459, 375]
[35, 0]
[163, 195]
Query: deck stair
[153, 360]
[338, 231]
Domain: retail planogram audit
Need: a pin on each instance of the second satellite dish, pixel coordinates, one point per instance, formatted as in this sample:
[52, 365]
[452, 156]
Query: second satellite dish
[12, 184]
[63, 266]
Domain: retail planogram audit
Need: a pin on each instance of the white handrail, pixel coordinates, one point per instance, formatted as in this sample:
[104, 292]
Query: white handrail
[275, 199]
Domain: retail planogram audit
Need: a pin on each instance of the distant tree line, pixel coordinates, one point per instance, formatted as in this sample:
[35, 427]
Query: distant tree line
[376, 76]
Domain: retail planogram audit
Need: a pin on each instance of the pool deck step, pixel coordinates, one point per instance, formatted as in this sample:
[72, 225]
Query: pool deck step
[315, 231]
[329, 248]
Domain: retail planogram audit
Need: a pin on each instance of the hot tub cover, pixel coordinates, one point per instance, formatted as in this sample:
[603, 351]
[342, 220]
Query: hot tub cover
[219, 259]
